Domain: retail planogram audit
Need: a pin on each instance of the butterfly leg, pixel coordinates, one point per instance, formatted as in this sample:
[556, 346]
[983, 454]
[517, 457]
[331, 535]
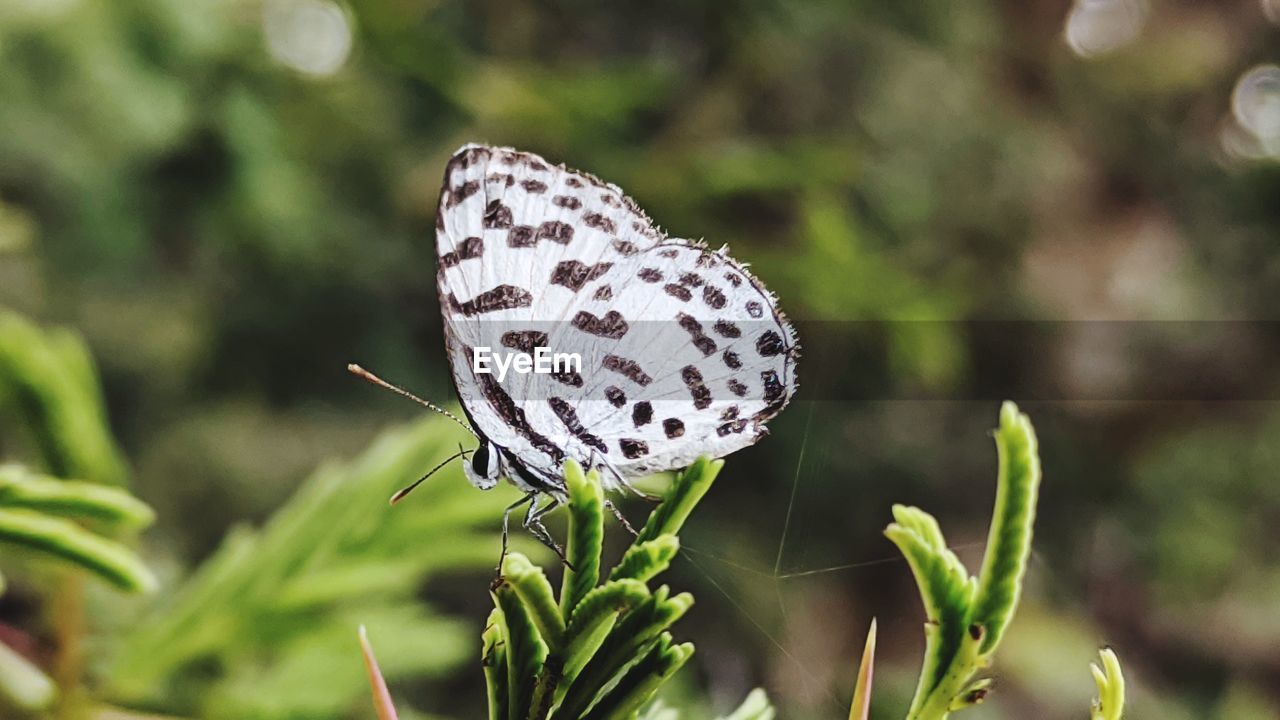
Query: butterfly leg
[626, 484]
[506, 517]
[533, 523]
[621, 518]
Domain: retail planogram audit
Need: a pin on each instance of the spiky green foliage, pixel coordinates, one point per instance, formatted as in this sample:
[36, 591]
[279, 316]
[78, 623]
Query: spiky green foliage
[263, 627]
[48, 384]
[968, 615]
[48, 381]
[603, 650]
[1110, 702]
[48, 516]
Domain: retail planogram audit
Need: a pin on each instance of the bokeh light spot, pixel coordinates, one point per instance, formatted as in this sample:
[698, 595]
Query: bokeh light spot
[1255, 106]
[311, 36]
[1271, 8]
[1097, 27]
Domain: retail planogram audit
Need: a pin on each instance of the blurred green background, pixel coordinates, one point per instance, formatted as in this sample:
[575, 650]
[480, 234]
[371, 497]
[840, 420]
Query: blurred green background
[1073, 205]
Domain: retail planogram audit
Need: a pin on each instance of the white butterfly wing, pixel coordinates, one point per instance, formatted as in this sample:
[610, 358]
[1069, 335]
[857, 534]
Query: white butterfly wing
[682, 351]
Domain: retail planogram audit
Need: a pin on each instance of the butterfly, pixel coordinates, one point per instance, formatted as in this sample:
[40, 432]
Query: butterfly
[682, 352]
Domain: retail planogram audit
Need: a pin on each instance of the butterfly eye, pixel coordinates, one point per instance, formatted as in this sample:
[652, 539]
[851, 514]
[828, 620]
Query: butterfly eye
[480, 461]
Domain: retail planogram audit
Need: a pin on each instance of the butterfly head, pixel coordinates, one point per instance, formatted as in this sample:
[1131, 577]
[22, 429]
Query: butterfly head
[483, 468]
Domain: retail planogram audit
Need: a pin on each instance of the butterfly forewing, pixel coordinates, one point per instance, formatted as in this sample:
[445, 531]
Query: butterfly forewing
[682, 352]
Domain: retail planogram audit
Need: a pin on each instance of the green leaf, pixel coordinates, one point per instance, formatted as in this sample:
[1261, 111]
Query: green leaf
[524, 647]
[1110, 702]
[945, 588]
[23, 683]
[493, 657]
[64, 539]
[967, 616]
[644, 560]
[639, 683]
[536, 594]
[594, 618]
[20, 488]
[1009, 541]
[50, 375]
[632, 632]
[276, 604]
[586, 536]
[688, 488]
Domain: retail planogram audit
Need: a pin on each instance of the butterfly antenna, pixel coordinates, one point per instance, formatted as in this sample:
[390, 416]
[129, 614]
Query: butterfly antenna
[358, 371]
[406, 490]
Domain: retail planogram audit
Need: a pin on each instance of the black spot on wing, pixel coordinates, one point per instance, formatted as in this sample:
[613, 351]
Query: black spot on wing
[472, 247]
[690, 279]
[713, 297]
[574, 274]
[569, 377]
[642, 413]
[770, 344]
[625, 248]
[633, 449]
[502, 297]
[697, 389]
[617, 398]
[524, 340]
[775, 395]
[521, 236]
[536, 187]
[603, 293]
[650, 275]
[629, 369]
[462, 192]
[673, 427]
[497, 216]
[727, 329]
[569, 417]
[678, 292]
[705, 345]
[567, 202]
[555, 231]
[732, 360]
[612, 325]
[599, 222]
[755, 309]
[737, 388]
